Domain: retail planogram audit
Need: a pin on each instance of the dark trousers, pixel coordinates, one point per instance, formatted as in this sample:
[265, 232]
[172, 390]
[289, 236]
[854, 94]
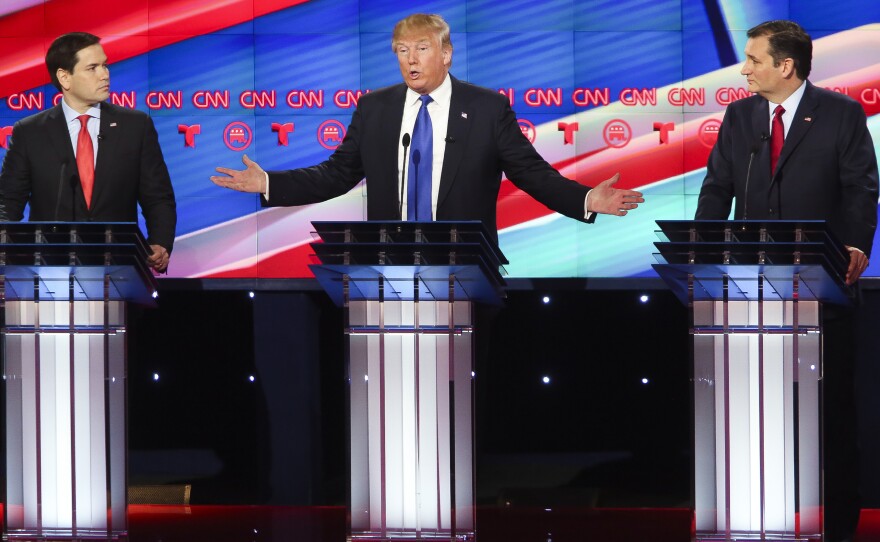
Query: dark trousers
[840, 435]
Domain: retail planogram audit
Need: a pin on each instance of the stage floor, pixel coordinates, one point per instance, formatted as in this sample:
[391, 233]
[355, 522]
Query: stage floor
[154, 523]
[514, 524]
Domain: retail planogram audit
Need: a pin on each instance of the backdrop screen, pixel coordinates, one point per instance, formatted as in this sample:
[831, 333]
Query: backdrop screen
[600, 86]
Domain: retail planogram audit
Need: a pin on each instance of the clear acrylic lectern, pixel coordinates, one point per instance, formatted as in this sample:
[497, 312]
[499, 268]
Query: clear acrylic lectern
[408, 290]
[64, 288]
[755, 292]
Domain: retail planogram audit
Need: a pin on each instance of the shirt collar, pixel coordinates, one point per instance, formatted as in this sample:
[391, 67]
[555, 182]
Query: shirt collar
[442, 94]
[70, 115]
[791, 103]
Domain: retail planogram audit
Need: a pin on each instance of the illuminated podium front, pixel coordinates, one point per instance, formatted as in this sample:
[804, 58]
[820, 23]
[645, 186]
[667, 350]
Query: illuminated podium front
[408, 290]
[755, 292]
[64, 288]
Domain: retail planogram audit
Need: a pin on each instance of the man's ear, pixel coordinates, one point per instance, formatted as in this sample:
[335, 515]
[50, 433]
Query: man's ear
[788, 67]
[63, 78]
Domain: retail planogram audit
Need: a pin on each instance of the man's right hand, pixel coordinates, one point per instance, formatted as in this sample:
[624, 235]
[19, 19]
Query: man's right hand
[158, 260]
[252, 179]
[858, 262]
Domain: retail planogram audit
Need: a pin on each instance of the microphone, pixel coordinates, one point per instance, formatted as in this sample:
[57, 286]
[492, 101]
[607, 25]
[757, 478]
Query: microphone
[754, 151]
[450, 139]
[416, 158]
[100, 137]
[764, 137]
[405, 143]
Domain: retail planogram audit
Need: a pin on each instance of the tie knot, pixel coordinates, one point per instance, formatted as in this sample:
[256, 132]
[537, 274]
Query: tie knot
[83, 120]
[779, 111]
[426, 99]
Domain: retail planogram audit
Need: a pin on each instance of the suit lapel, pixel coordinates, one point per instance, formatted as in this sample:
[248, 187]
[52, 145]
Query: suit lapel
[803, 120]
[108, 138]
[457, 130]
[389, 143]
[760, 172]
[59, 136]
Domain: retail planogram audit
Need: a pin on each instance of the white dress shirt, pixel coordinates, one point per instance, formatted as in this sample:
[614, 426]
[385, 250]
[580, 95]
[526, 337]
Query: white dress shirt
[73, 125]
[790, 105]
[438, 110]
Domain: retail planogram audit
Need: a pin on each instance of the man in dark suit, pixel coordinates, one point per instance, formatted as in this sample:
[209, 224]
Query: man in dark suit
[474, 138]
[824, 169]
[86, 159]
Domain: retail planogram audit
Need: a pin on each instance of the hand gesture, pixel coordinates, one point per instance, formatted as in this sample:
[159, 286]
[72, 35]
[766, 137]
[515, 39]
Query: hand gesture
[612, 201]
[252, 179]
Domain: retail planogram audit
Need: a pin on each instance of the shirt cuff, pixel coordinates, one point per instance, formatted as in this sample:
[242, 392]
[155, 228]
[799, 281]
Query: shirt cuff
[587, 213]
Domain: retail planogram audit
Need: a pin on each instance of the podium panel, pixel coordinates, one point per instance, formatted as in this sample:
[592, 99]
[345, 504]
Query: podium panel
[408, 291]
[64, 290]
[756, 420]
[755, 290]
[65, 419]
[411, 396]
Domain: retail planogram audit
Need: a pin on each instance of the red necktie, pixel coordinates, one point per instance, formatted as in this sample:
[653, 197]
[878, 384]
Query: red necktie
[85, 159]
[777, 137]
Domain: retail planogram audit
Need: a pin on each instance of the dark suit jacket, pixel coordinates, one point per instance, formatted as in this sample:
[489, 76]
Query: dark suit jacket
[827, 169]
[129, 170]
[484, 139]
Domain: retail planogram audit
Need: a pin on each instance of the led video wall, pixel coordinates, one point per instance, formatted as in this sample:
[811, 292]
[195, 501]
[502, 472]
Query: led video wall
[599, 86]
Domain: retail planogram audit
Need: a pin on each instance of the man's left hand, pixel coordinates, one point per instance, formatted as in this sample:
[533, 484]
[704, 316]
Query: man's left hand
[159, 259]
[858, 262]
[613, 201]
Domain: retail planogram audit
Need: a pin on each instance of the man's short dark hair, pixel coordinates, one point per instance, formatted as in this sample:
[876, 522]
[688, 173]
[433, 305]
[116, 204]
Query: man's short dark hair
[63, 53]
[787, 40]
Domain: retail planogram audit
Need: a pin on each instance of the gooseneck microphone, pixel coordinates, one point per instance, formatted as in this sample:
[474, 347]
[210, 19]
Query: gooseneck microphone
[405, 142]
[416, 160]
[754, 151]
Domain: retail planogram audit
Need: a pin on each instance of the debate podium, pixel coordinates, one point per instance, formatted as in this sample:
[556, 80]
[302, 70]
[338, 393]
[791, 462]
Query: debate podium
[408, 290]
[64, 288]
[755, 290]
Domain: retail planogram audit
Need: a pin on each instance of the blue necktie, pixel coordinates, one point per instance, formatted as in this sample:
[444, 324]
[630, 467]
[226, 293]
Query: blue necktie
[421, 156]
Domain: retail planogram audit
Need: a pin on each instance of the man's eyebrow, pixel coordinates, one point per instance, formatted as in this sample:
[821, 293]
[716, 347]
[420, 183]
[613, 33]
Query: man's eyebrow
[419, 42]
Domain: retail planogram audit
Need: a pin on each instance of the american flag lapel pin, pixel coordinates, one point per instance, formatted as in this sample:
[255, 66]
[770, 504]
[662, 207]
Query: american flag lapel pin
[112, 124]
[808, 119]
[463, 115]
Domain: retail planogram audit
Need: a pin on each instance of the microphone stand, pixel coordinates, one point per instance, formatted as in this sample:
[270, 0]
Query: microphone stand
[405, 143]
